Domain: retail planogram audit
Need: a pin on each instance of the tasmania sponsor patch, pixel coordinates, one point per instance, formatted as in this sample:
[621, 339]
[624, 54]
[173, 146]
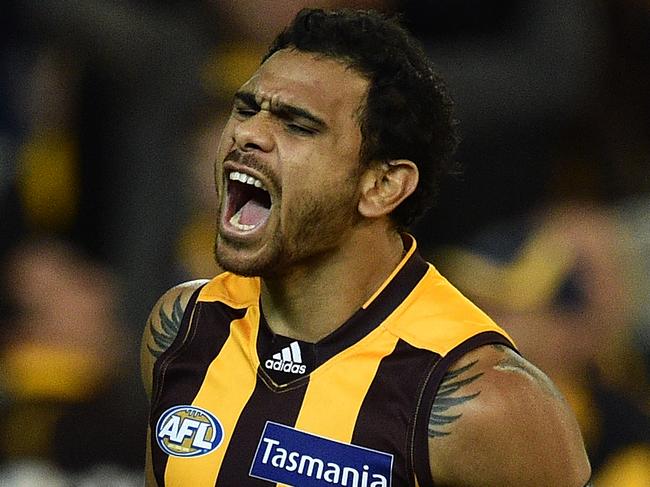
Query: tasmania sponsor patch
[294, 457]
[188, 431]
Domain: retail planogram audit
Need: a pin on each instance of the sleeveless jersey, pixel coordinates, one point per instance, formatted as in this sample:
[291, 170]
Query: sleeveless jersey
[236, 405]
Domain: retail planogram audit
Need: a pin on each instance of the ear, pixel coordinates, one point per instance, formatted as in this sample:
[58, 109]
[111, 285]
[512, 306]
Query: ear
[383, 186]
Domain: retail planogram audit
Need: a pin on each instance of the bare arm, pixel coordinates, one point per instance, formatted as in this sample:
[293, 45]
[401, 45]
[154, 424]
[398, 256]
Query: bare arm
[162, 327]
[497, 420]
[159, 333]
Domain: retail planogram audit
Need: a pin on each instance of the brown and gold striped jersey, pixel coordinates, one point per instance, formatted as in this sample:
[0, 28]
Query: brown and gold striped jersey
[236, 405]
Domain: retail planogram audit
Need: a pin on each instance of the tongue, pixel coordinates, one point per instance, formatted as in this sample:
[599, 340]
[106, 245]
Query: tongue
[253, 213]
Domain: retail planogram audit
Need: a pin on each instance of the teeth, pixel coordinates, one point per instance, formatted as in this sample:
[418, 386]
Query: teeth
[234, 221]
[246, 179]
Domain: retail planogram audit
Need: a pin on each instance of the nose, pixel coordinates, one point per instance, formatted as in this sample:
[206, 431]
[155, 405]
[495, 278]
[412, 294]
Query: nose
[254, 133]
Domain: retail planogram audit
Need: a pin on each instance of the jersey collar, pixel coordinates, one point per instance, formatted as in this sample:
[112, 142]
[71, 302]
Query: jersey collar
[388, 296]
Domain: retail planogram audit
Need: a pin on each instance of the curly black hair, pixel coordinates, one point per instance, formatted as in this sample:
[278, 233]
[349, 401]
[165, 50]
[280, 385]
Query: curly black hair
[408, 112]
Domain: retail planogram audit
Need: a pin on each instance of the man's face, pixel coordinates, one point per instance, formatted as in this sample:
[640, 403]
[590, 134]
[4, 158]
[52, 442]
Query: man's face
[287, 167]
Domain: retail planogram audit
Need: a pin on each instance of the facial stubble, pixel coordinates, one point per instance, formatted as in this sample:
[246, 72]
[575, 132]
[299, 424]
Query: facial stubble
[314, 225]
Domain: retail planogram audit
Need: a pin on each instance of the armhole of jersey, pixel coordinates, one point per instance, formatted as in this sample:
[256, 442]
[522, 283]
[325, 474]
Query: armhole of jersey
[428, 394]
[168, 355]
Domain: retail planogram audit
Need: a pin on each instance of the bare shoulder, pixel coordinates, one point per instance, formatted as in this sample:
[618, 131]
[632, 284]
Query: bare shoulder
[162, 326]
[498, 420]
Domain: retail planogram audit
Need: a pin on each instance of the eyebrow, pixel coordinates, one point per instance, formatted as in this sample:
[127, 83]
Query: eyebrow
[282, 110]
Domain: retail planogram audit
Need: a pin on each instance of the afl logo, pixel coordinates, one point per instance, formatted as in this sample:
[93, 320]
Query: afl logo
[188, 431]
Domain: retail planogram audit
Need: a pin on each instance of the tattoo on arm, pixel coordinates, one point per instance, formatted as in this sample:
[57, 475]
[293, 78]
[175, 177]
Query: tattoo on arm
[509, 361]
[445, 406]
[169, 326]
[513, 362]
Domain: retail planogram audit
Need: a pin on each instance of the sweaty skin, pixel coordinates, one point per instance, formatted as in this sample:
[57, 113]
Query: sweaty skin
[511, 426]
[328, 243]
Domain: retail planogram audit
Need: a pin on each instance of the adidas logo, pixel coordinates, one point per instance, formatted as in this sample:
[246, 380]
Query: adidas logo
[289, 360]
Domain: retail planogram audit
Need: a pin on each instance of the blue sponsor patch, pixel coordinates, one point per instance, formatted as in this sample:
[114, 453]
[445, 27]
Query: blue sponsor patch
[293, 457]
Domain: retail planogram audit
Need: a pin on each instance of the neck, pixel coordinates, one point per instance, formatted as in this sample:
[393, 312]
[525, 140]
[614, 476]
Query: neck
[313, 299]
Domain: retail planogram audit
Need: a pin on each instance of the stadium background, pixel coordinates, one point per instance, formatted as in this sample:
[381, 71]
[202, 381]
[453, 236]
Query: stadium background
[110, 113]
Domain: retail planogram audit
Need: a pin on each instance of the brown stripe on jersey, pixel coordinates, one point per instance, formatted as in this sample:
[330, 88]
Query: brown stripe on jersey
[176, 344]
[365, 320]
[262, 406]
[382, 415]
[429, 391]
[182, 371]
[362, 322]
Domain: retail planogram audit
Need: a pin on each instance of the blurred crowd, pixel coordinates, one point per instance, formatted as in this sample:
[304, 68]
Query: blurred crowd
[110, 112]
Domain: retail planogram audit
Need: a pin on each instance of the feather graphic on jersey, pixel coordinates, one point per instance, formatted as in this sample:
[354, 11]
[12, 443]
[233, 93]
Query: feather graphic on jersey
[445, 400]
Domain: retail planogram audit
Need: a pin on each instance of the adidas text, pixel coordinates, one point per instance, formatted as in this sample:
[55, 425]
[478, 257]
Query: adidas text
[289, 360]
[285, 366]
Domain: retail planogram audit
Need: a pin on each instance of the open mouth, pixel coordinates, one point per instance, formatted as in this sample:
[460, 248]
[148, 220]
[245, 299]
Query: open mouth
[249, 203]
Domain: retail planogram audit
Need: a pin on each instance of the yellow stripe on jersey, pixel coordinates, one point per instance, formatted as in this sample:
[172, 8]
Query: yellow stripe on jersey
[231, 371]
[322, 413]
[438, 317]
[232, 290]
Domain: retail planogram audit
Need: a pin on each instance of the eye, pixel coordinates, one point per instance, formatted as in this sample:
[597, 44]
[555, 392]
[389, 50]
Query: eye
[243, 112]
[299, 129]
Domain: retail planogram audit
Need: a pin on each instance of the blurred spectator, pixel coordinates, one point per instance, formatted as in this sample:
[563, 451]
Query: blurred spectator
[522, 72]
[111, 94]
[68, 395]
[634, 214]
[557, 280]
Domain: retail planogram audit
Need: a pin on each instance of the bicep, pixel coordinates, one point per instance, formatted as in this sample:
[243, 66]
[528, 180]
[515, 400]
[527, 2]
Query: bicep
[497, 420]
[162, 327]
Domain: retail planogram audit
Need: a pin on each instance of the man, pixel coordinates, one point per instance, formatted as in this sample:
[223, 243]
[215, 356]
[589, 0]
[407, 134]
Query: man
[329, 352]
